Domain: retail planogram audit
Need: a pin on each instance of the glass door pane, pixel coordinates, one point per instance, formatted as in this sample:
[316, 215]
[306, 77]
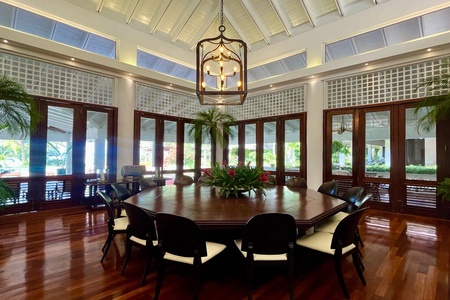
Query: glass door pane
[270, 146]
[233, 146]
[147, 148]
[188, 149]
[292, 145]
[250, 144]
[59, 141]
[170, 145]
[96, 142]
[420, 149]
[342, 144]
[378, 144]
[206, 152]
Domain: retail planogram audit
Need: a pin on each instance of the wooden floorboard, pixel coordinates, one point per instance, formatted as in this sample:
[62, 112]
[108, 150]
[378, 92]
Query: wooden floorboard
[56, 255]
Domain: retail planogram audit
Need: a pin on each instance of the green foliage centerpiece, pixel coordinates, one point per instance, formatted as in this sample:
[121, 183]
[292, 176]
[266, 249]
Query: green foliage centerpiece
[232, 180]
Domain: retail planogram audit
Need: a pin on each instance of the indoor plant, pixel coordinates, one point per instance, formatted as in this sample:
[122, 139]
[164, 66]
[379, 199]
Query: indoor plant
[209, 124]
[232, 180]
[18, 116]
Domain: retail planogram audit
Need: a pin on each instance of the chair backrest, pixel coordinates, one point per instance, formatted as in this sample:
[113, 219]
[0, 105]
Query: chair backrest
[179, 235]
[329, 188]
[344, 234]
[121, 191]
[272, 179]
[141, 223]
[183, 180]
[352, 195]
[358, 204]
[297, 182]
[270, 233]
[109, 205]
[146, 183]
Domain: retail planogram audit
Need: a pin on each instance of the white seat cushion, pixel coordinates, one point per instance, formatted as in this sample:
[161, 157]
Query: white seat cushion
[121, 223]
[212, 249]
[327, 226]
[339, 216]
[123, 212]
[321, 241]
[142, 241]
[262, 257]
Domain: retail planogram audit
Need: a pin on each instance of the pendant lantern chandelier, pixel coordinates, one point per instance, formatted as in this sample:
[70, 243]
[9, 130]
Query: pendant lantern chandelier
[221, 69]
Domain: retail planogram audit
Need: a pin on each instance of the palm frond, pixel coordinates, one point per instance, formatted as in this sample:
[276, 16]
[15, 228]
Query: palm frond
[18, 112]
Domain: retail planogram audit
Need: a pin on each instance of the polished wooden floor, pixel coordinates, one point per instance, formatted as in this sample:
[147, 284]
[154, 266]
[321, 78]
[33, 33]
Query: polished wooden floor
[56, 255]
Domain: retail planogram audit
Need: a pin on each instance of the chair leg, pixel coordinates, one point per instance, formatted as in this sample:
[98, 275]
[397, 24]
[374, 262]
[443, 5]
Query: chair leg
[161, 270]
[358, 237]
[249, 280]
[128, 246]
[357, 263]
[106, 246]
[340, 276]
[147, 267]
[197, 281]
[291, 279]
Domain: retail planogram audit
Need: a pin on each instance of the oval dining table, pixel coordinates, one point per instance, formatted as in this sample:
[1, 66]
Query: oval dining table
[209, 210]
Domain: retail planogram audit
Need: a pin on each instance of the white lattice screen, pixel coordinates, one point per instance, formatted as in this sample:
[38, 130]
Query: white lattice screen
[166, 102]
[274, 104]
[48, 80]
[383, 86]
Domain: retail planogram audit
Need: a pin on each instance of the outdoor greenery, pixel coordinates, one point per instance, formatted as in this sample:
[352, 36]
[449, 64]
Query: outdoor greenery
[232, 180]
[443, 189]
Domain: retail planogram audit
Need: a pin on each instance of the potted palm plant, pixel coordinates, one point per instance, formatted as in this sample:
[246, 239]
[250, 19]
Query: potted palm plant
[18, 116]
[209, 125]
[437, 108]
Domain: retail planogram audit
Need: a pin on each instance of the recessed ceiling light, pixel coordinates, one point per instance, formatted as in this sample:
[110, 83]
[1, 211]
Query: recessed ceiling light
[5, 41]
[72, 59]
[312, 76]
[429, 49]
[171, 84]
[271, 85]
[366, 64]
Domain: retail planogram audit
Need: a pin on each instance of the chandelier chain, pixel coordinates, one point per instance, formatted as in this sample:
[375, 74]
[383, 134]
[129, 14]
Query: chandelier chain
[221, 13]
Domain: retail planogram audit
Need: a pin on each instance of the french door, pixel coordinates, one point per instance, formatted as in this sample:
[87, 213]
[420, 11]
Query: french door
[382, 149]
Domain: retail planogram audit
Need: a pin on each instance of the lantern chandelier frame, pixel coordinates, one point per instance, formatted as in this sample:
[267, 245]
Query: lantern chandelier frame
[221, 69]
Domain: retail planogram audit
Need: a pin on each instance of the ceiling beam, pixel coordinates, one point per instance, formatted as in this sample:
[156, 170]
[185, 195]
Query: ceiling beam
[206, 24]
[100, 4]
[132, 9]
[254, 17]
[157, 17]
[188, 12]
[284, 20]
[236, 27]
[308, 12]
[339, 7]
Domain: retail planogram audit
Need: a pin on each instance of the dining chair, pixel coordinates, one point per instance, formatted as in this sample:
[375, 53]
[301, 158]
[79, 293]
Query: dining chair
[297, 182]
[141, 232]
[269, 239]
[183, 180]
[146, 183]
[330, 224]
[122, 193]
[339, 244]
[116, 225]
[351, 196]
[329, 188]
[181, 240]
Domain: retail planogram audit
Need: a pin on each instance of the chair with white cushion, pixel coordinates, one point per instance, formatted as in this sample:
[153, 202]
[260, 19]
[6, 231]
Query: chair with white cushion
[115, 225]
[269, 239]
[141, 232]
[339, 244]
[181, 240]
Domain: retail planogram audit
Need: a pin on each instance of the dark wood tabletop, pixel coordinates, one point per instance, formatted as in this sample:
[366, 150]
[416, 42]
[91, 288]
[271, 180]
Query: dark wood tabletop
[203, 205]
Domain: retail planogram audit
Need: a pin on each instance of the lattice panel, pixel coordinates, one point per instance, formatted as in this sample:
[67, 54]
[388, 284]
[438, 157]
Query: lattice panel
[274, 104]
[165, 102]
[48, 80]
[384, 86]
[421, 196]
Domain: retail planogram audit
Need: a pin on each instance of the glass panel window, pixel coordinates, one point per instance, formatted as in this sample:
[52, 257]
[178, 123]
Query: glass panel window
[189, 149]
[270, 146]
[233, 146]
[59, 141]
[250, 144]
[341, 147]
[170, 145]
[147, 144]
[292, 145]
[14, 155]
[96, 142]
[378, 144]
[420, 148]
